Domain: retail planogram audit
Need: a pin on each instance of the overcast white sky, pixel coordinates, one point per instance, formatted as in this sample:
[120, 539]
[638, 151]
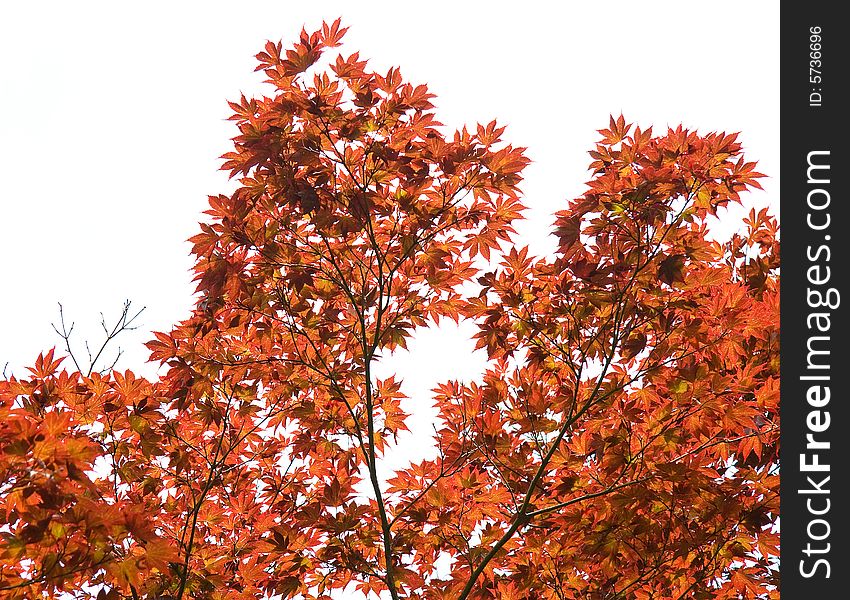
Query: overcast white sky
[113, 116]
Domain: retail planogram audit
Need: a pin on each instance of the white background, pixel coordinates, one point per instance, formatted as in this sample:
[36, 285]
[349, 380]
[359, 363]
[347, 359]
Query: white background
[113, 116]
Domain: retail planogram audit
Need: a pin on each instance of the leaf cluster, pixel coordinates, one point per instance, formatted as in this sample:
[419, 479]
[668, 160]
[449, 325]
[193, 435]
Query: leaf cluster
[623, 443]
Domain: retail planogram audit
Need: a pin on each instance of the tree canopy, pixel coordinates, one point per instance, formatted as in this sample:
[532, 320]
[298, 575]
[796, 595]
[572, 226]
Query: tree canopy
[622, 444]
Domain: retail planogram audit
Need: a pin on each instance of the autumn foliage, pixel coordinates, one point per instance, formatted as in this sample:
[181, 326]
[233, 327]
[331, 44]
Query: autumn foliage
[623, 443]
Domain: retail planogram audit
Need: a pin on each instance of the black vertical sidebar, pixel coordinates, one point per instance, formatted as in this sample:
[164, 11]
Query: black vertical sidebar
[815, 436]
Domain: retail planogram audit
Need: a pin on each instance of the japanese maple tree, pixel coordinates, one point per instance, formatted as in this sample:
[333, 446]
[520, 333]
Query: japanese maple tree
[623, 442]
